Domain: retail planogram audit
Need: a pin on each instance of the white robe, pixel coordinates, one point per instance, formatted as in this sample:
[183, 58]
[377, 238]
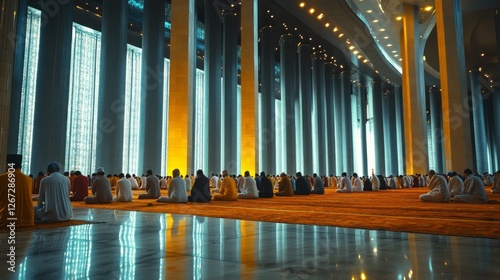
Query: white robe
[123, 190]
[133, 183]
[54, 204]
[249, 189]
[474, 191]
[176, 191]
[456, 185]
[358, 185]
[345, 185]
[439, 190]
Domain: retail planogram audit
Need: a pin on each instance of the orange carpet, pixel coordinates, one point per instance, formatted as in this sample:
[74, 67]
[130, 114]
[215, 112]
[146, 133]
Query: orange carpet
[395, 210]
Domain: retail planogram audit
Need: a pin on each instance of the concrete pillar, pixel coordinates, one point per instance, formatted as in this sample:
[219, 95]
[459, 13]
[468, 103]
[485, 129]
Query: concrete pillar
[400, 132]
[339, 125]
[305, 89]
[413, 94]
[330, 120]
[182, 86]
[378, 127]
[52, 88]
[110, 125]
[456, 122]
[362, 97]
[479, 127]
[268, 117]
[346, 91]
[319, 121]
[212, 61]
[436, 123]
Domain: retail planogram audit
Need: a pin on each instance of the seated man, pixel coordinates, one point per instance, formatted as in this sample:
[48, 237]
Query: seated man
[265, 186]
[133, 182]
[284, 186]
[189, 185]
[201, 188]
[123, 189]
[228, 191]
[496, 182]
[152, 187]
[101, 189]
[303, 185]
[345, 184]
[319, 185]
[474, 190]
[54, 204]
[438, 186]
[177, 192]
[249, 187]
[80, 187]
[358, 184]
[487, 180]
[455, 185]
[20, 189]
[375, 181]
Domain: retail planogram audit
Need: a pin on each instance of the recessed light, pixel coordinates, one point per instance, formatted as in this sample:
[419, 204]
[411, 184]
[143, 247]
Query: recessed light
[381, 29]
[386, 37]
[369, 11]
[341, 34]
[351, 47]
[428, 8]
[482, 54]
[375, 20]
[355, 52]
[394, 51]
[311, 11]
[399, 18]
[302, 4]
[389, 45]
[320, 16]
[327, 24]
[335, 29]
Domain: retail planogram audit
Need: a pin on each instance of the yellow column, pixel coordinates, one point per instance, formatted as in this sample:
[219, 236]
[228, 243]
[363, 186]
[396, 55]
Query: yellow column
[456, 124]
[7, 45]
[182, 67]
[249, 85]
[416, 153]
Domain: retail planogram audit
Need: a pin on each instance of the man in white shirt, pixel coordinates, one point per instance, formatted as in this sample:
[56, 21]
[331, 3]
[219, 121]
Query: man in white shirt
[176, 191]
[133, 182]
[456, 185]
[474, 190]
[438, 186]
[123, 189]
[345, 184]
[249, 189]
[188, 181]
[358, 184]
[54, 204]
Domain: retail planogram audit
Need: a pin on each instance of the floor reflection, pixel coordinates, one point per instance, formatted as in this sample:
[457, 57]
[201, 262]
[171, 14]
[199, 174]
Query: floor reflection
[159, 246]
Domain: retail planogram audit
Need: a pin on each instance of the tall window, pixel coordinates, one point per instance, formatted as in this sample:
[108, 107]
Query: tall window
[164, 135]
[200, 141]
[83, 99]
[28, 90]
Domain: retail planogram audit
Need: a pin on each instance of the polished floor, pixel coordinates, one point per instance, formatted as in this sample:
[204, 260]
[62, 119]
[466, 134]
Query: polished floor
[134, 245]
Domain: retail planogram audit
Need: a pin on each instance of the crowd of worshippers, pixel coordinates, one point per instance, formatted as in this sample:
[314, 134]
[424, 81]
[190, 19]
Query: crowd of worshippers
[54, 190]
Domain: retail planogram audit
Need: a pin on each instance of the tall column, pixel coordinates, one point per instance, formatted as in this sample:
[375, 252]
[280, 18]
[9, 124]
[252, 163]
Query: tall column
[182, 83]
[363, 115]
[478, 119]
[456, 123]
[52, 87]
[387, 134]
[436, 130]
[398, 103]
[416, 153]
[230, 74]
[288, 97]
[330, 120]
[489, 119]
[378, 128]
[212, 61]
[17, 39]
[268, 117]
[391, 136]
[496, 123]
[346, 91]
[153, 42]
[110, 125]
[319, 121]
[249, 84]
[340, 139]
[305, 89]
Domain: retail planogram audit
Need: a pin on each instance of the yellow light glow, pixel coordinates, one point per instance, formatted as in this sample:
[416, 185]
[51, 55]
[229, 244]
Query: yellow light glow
[375, 20]
[320, 16]
[327, 24]
[351, 47]
[355, 52]
[335, 29]
[359, 56]
[311, 11]
[302, 4]
[369, 11]
[386, 37]
[381, 29]
[365, 61]
[399, 18]
[341, 35]
[428, 8]
[389, 45]
[482, 54]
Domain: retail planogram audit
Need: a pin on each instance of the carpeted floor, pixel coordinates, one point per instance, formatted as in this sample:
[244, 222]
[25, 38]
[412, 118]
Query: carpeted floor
[395, 210]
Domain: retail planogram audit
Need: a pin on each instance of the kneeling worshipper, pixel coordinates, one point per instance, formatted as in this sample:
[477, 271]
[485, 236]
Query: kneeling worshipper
[302, 185]
[358, 184]
[265, 186]
[152, 187]
[249, 187]
[123, 189]
[200, 191]
[455, 185]
[284, 186]
[15, 184]
[101, 189]
[474, 190]
[496, 182]
[319, 186]
[345, 184]
[80, 187]
[438, 186]
[228, 191]
[177, 192]
[54, 204]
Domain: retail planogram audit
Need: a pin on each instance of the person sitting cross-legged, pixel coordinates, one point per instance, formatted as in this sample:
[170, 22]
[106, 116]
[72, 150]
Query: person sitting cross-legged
[438, 186]
[177, 192]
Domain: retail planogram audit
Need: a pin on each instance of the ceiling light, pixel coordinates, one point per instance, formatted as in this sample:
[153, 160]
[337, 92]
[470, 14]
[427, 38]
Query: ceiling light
[341, 34]
[320, 16]
[381, 29]
[424, 58]
[311, 11]
[365, 61]
[394, 51]
[389, 45]
[302, 4]
[351, 47]
[268, 11]
[428, 8]
[375, 20]
[399, 18]
[386, 37]
[369, 11]
[335, 29]
[327, 24]
[360, 56]
[482, 54]
[396, 55]
[355, 52]
[272, 16]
